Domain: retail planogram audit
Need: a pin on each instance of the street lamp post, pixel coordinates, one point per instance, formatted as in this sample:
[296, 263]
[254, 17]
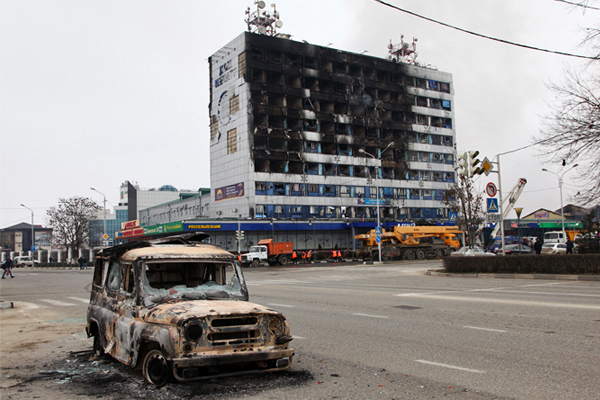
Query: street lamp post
[32, 232]
[560, 185]
[104, 220]
[377, 188]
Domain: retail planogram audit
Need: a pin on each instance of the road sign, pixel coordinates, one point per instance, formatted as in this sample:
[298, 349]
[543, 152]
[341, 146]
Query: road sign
[492, 205]
[378, 230]
[452, 216]
[487, 166]
[105, 236]
[491, 190]
[378, 239]
[493, 217]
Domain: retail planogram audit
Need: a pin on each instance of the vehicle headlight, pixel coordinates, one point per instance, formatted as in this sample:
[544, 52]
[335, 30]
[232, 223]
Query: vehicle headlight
[193, 331]
[276, 326]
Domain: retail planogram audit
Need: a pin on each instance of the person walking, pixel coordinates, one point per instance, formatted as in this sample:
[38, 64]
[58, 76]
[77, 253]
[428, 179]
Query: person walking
[303, 257]
[80, 261]
[309, 256]
[295, 258]
[7, 267]
[538, 246]
[85, 261]
[569, 246]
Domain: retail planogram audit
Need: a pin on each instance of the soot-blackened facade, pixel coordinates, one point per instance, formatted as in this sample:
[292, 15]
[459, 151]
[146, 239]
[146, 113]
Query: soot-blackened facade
[291, 123]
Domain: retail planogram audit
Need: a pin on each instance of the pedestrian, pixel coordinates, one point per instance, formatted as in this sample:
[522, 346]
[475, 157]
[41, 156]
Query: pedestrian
[538, 246]
[295, 258]
[7, 267]
[309, 256]
[340, 255]
[80, 261]
[303, 257]
[85, 261]
[569, 246]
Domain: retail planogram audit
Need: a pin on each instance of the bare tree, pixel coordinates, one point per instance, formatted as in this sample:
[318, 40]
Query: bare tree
[463, 200]
[70, 221]
[571, 131]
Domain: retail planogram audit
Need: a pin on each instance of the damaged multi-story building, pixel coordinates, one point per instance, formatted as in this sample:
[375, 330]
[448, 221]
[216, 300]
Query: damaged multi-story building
[299, 131]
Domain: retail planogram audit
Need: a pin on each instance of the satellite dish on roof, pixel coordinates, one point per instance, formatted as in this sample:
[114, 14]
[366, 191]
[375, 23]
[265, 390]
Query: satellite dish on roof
[262, 30]
[261, 4]
[278, 23]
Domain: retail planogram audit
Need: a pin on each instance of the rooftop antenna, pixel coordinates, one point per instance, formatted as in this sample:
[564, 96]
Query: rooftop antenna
[403, 52]
[261, 21]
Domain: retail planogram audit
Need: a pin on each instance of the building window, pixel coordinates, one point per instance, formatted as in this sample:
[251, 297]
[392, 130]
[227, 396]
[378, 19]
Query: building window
[232, 141]
[214, 127]
[279, 209]
[241, 64]
[234, 104]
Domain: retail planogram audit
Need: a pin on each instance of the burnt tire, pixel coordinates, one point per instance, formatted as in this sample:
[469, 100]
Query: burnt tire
[283, 260]
[421, 254]
[155, 368]
[409, 255]
[98, 349]
[255, 263]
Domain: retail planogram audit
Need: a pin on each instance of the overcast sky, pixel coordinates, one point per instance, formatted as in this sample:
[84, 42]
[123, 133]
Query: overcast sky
[93, 93]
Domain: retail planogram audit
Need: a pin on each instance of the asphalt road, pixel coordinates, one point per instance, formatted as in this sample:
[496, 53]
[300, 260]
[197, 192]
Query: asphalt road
[377, 331]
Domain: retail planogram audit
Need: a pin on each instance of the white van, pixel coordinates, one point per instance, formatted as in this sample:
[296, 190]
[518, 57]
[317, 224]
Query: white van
[555, 237]
[24, 261]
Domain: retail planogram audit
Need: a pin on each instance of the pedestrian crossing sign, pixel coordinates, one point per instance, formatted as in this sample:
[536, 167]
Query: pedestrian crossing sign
[492, 205]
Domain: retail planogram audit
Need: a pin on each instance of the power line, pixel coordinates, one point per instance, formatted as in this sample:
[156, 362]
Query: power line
[485, 36]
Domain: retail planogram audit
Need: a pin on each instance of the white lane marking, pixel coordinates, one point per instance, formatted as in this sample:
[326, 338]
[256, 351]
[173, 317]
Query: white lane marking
[513, 302]
[550, 294]
[86, 301]
[57, 303]
[297, 337]
[277, 282]
[451, 366]
[281, 305]
[484, 329]
[369, 315]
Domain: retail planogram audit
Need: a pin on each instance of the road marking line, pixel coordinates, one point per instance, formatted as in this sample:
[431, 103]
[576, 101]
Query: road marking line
[451, 366]
[484, 329]
[370, 315]
[513, 302]
[86, 301]
[281, 305]
[57, 303]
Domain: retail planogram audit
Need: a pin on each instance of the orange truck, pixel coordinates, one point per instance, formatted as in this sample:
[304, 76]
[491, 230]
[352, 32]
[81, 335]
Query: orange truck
[410, 242]
[269, 251]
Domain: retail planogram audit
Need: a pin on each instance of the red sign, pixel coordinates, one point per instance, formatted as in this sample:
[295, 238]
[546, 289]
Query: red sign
[130, 224]
[491, 190]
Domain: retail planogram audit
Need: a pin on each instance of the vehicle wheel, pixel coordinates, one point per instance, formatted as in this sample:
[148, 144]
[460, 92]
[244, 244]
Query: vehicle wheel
[155, 368]
[98, 349]
[440, 253]
[409, 255]
[255, 263]
[283, 260]
[421, 254]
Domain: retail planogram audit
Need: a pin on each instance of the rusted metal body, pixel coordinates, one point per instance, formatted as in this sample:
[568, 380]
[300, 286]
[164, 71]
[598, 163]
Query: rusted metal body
[182, 310]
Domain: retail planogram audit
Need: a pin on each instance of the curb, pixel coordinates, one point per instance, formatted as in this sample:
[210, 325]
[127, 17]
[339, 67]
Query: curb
[519, 276]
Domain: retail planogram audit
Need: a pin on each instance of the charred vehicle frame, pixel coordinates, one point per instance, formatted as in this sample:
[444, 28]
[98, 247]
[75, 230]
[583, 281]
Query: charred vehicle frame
[179, 309]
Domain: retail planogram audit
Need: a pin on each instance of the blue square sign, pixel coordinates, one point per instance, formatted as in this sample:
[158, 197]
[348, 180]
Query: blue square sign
[492, 205]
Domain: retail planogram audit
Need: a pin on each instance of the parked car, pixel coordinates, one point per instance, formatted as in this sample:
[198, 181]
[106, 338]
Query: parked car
[554, 248]
[475, 251]
[497, 243]
[180, 309]
[514, 249]
[24, 261]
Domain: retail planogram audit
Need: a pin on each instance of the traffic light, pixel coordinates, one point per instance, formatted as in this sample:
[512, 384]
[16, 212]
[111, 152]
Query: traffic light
[239, 235]
[473, 161]
[463, 163]
[467, 163]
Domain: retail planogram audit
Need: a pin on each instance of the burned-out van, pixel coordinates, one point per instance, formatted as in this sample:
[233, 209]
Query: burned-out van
[179, 308]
